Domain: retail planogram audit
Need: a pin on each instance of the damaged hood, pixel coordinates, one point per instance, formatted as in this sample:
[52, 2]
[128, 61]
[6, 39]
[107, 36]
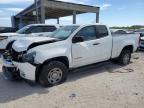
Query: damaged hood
[26, 43]
[15, 34]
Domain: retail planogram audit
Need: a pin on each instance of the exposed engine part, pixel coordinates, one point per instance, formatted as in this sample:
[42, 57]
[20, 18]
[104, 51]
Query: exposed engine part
[42, 43]
[13, 55]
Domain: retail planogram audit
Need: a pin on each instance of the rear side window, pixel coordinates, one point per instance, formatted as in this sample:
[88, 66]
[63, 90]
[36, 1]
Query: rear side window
[36, 29]
[101, 31]
[49, 29]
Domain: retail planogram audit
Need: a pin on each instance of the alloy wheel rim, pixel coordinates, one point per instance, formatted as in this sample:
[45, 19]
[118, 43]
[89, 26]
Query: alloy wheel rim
[54, 76]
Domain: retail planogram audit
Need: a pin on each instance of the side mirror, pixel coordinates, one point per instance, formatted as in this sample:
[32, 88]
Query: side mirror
[77, 39]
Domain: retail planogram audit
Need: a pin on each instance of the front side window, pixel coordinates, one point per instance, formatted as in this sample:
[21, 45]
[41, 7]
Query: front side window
[87, 33]
[24, 30]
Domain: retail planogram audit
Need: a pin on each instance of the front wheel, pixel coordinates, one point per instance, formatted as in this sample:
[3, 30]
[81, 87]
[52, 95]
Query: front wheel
[53, 73]
[125, 57]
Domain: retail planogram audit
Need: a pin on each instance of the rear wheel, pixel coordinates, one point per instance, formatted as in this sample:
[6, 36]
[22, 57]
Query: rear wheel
[53, 73]
[125, 57]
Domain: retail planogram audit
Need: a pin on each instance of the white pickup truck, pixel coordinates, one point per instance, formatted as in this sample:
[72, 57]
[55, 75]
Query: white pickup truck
[48, 59]
[6, 39]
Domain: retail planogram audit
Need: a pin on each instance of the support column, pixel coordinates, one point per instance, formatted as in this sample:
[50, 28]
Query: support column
[21, 22]
[74, 17]
[13, 21]
[42, 10]
[97, 17]
[37, 11]
[21, 19]
[58, 21]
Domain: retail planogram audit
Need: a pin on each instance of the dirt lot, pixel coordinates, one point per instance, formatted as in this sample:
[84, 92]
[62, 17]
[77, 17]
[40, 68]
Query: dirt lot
[104, 85]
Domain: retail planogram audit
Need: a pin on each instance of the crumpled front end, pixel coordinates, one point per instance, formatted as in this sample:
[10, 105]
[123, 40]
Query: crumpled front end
[14, 60]
[27, 70]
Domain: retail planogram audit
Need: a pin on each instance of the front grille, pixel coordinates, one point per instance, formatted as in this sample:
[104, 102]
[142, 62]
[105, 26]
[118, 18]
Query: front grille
[16, 56]
[13, 55]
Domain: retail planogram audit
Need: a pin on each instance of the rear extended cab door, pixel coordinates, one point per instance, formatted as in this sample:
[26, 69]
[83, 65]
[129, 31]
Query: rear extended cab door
[104, 39]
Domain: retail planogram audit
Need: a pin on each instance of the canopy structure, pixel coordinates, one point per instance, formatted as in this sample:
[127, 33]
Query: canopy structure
[52, 9]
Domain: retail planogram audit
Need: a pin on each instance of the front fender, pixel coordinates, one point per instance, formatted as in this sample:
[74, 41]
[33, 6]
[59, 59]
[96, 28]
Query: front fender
[43, 56]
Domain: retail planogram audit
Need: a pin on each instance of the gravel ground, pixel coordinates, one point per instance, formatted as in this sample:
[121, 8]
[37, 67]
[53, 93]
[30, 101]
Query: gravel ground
[105, 85]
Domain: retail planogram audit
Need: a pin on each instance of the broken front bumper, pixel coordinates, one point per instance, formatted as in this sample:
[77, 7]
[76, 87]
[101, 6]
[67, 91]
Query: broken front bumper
[26, 70]
[10, 73]
[142, 44]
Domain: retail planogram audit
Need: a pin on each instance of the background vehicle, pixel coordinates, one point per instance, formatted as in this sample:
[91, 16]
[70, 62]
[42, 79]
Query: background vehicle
[48, 59]
[141, 32]
[6, 39]
[142, 43]
[7, 30]
[120, 31]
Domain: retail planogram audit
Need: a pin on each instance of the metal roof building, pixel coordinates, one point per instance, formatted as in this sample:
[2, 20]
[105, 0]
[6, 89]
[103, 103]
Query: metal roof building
[52, 9]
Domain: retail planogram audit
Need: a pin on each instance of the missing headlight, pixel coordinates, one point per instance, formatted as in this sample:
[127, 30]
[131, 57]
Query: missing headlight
[29, 57]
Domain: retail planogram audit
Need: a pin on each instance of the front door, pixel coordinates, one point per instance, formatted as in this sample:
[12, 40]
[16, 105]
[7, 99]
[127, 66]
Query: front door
[83, 52]
[96, 46]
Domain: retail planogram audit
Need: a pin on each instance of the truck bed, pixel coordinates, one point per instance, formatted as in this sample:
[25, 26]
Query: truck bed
[120, 40]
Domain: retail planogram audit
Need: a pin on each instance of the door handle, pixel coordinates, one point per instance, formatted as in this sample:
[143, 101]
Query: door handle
[96, 44]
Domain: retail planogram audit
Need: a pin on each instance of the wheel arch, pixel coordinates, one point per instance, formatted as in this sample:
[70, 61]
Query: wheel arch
[128, 47]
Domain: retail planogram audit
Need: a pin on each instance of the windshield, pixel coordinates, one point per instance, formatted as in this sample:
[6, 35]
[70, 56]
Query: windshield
[24, 30]
[64, 32]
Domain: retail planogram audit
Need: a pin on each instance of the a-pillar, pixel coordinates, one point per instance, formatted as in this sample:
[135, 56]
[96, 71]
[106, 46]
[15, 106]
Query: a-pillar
[42, 11]
[97, 17]
[21, 22]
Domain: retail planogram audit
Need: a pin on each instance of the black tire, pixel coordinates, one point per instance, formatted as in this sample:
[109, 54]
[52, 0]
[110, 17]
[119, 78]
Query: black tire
[124, 57]
[11, 74]
[46, 77]
[115, 60]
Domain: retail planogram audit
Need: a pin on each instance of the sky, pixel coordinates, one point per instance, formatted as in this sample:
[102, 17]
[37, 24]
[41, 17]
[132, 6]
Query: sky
[113, 12]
